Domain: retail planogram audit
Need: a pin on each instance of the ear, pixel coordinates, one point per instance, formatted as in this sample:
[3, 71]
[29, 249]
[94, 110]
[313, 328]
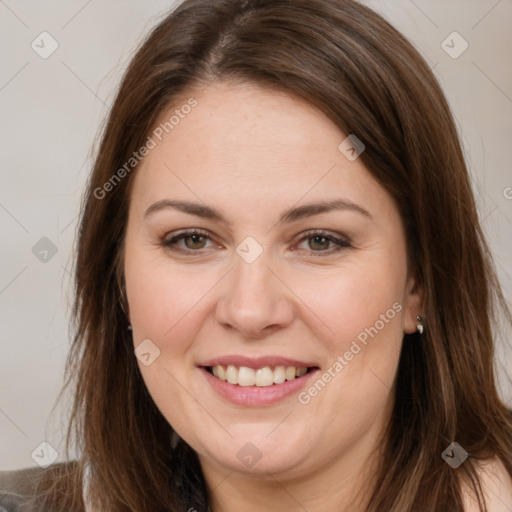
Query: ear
[414, 303]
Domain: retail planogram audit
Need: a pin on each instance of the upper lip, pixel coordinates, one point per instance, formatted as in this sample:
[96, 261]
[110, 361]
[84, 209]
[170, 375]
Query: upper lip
[256, 362]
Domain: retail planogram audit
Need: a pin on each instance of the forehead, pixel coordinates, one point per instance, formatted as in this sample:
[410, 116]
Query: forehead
[246, 140]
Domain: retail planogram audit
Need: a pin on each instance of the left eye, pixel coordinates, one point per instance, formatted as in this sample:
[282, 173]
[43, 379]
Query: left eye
[321, 242]
[196, 241]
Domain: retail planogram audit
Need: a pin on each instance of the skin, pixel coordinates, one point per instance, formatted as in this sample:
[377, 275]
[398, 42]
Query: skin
[496, 485]
[253, 153]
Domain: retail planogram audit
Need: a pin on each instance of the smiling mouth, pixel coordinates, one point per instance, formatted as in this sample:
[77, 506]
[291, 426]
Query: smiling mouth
[261, 377]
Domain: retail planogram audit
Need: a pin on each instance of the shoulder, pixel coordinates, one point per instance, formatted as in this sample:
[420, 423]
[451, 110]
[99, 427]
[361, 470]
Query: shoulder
[496, 485]
[22, 489]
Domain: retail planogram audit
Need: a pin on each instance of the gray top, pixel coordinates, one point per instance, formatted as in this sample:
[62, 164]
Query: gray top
[16, 488]
[19, 488]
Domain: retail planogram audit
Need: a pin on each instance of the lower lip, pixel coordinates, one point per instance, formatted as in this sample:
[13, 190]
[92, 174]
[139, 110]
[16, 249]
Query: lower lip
[254, 396]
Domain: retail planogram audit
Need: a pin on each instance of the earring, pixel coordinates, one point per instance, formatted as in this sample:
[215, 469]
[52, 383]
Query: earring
[129, 327]
[419, 325]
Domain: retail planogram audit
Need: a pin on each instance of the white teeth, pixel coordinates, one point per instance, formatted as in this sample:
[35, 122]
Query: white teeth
[221, 372]
[232, 374]
[245, 376]
[291, 372]
[279, 374]
[262, 377]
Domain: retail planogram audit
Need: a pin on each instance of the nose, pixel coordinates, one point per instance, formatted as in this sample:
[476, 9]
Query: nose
[254, 302]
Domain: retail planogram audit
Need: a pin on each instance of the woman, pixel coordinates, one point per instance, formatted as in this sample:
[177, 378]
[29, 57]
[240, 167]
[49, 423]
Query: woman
[283, 294]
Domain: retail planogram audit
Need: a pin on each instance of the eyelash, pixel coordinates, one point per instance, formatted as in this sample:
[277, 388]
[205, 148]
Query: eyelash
[339, 242]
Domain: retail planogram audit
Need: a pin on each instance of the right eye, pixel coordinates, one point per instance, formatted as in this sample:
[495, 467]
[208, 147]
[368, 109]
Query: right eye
[193, 240]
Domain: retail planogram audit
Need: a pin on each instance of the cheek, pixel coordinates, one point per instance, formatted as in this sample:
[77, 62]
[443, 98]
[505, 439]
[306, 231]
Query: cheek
[165, 306]
[352, 299]
[161, 299]
[361, 311]
[364, 314]
[170, 304]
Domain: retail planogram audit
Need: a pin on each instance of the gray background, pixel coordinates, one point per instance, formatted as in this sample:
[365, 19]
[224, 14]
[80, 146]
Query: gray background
[52, 110]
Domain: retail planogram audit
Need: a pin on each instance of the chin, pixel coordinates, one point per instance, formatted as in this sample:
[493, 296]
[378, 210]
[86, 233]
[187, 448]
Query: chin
[257, 454]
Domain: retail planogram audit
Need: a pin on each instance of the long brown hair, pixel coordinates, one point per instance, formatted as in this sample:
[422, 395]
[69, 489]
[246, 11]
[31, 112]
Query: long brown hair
[368, 79]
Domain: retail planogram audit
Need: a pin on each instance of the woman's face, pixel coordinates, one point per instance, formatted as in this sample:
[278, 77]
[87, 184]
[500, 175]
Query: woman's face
[265, 280]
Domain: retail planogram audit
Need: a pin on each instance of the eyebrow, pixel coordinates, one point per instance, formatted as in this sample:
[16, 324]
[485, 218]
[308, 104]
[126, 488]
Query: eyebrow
[290, 215]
